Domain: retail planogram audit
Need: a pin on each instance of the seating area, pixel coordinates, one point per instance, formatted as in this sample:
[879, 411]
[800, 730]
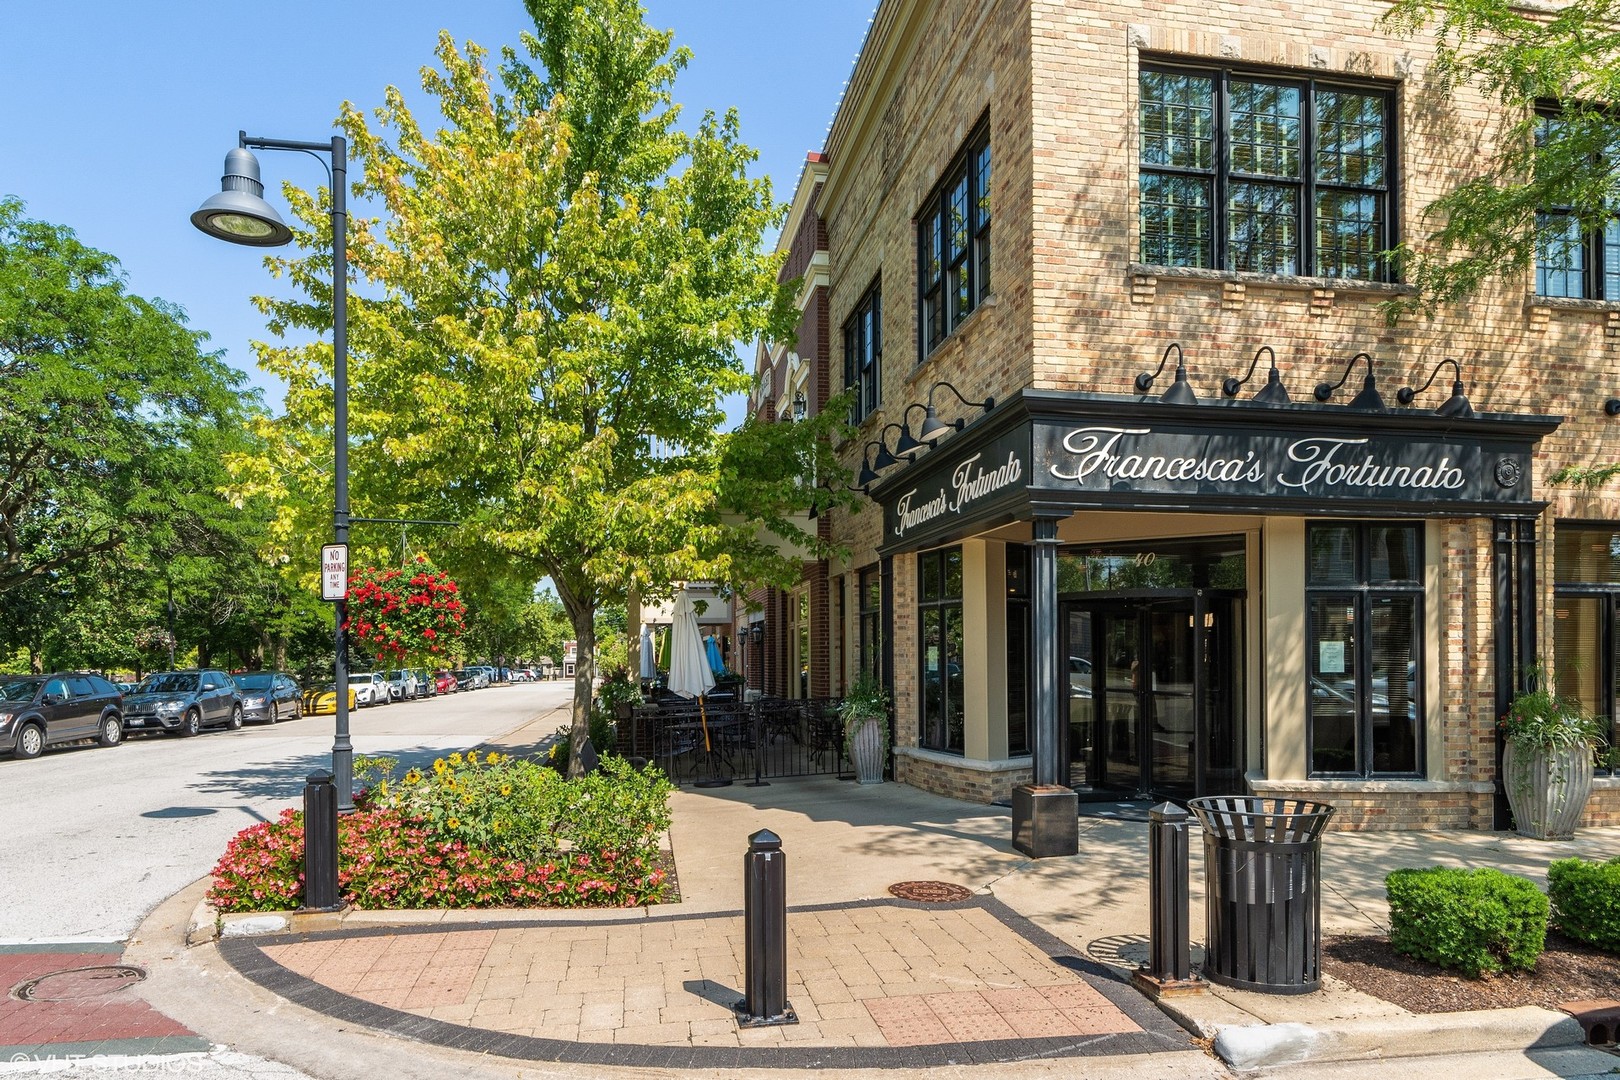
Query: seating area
[722, 737]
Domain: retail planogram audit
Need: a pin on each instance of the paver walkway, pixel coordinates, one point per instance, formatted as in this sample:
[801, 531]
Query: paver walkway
[877, 982]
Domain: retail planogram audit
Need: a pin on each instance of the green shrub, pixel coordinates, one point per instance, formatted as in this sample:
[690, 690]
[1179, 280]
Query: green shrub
[1475, 920]
[1586, 900]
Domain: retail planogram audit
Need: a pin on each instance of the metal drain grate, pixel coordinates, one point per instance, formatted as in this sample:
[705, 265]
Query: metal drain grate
[79, 984]
[930, 892]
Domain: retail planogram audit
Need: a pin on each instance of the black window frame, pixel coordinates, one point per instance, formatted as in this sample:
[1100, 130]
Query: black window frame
[938, 317]
[1221, 173]
[863, 356]
[869, 621]
[1606, 594]
[1599, 261]
[936, 608]
[1362, 591]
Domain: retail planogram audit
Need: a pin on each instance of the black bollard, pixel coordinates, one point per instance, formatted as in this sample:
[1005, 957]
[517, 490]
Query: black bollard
[1168, 971]
[765, 935]
[321, 843]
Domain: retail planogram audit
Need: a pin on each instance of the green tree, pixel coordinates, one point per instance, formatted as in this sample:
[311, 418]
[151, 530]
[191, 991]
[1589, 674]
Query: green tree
[1488, 225]
[549, 324]
[115, 418]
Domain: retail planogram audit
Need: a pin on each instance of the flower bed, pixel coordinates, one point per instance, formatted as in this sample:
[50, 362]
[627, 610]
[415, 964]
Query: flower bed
[475, 832]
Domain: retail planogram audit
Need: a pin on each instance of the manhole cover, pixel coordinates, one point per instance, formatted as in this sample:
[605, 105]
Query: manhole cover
[930, 892]
[79, 984]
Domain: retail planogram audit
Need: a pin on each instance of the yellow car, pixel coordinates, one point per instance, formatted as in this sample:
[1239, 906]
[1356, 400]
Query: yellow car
[324, 701]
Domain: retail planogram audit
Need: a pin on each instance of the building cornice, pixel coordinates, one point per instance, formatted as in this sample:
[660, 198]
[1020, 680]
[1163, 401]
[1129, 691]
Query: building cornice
[813, 173]
[884, 59]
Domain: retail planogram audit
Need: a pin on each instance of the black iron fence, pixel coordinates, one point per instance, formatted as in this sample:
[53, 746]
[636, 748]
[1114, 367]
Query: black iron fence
[732, 740]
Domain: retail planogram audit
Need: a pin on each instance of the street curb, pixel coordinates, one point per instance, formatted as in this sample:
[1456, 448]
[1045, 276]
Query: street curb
[1260, 1046]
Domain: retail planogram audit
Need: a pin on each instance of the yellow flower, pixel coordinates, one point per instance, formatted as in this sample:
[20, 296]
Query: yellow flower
[450, 783]
[467, 800]
[498, 826]
[455, 758]
[472, 757]
[438, 766]
[413, 777]
[454, 823]
[506, 789]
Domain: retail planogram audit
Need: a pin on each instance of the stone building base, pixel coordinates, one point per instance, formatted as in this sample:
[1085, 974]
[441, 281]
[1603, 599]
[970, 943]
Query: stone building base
[961, 778]
[1424, 805]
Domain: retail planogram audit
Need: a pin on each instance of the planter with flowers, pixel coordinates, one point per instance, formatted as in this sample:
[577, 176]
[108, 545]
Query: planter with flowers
[865, 713]
[1551, 742]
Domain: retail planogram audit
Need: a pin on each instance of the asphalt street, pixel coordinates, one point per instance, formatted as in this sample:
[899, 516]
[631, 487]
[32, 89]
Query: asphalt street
[96, 838]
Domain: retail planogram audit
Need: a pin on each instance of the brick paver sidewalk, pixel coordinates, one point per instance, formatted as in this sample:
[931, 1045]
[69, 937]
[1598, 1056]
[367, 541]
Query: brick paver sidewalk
[874, 982]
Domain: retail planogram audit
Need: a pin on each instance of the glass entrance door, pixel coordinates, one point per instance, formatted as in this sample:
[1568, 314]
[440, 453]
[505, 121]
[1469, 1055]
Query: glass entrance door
[1152, 688]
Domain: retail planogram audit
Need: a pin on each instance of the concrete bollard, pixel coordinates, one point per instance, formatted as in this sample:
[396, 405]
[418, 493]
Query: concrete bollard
[765, 1000]
[1168, 972]
[321, 843]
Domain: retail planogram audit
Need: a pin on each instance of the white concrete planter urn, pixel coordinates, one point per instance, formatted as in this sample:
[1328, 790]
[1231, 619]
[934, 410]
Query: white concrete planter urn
[1547, 763]
[865, 713]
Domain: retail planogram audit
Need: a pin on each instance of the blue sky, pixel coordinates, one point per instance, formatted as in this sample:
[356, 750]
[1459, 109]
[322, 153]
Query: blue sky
[118, 113]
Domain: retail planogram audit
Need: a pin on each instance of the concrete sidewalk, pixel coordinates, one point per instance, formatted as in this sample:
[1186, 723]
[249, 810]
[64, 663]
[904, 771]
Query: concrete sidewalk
[1023, 977]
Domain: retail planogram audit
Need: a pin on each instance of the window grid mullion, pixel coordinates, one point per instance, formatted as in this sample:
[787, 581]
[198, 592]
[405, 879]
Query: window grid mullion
[1220, 160]
[1306, 217]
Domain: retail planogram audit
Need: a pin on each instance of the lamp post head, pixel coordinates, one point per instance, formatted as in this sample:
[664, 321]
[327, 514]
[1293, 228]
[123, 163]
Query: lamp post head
[239, 213]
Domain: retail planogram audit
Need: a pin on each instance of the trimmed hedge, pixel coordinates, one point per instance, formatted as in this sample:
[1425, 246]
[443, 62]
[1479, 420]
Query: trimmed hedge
[1477, 921]
[1586, 900]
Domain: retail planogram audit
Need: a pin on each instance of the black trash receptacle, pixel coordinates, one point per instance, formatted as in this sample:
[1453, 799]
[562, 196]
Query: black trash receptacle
[1262, 908]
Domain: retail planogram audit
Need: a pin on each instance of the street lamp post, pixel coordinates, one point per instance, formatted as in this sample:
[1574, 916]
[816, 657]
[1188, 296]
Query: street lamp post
[240, 215]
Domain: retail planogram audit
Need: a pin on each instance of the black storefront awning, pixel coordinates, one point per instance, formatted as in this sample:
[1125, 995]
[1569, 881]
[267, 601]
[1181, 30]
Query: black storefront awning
[1049, 453]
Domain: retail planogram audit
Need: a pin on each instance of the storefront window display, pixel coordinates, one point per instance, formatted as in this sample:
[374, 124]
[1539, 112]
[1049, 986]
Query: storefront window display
[1586, 619]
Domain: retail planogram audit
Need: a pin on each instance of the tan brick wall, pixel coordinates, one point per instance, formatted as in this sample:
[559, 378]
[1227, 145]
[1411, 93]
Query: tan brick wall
[1072, 309]
[958, 782]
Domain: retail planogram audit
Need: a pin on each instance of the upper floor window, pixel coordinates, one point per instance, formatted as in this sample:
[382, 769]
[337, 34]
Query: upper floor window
[863, 353]
[1265, 173]
[1572, 260]
[953, 243]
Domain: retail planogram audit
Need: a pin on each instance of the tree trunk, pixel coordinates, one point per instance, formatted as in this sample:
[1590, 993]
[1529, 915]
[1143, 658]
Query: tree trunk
[584, 620]
[36, 662]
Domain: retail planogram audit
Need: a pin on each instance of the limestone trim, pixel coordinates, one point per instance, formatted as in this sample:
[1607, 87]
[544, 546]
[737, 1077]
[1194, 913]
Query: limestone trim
[1282, 282]
[1371, 787]
[998, 765]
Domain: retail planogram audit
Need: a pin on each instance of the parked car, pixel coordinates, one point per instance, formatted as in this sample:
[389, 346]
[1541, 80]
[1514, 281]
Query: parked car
[425, 686]
[370, 688]
[466, 678]
[270, 696]
[403, 685]
[444, 682]
[324, 701]
[483, 674]
[37, 711]
[185, 702]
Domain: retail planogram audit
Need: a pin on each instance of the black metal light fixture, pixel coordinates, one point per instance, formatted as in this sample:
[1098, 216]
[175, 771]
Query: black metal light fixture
[1369, 400]
[1180, 391]
[868, 474]
[1273, 393]
[800, 406]
[906, 444]
[756, 633]
[1612, 407]
[1455, 405]
[933, 427]
[240, 215]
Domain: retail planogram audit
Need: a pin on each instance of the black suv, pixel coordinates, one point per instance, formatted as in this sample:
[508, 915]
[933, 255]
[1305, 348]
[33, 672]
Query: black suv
[37, 711]
[185, 702]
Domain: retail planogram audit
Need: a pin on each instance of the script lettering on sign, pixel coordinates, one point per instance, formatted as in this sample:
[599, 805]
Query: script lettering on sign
[970, 481]
[1097, 451]
[1319, 462]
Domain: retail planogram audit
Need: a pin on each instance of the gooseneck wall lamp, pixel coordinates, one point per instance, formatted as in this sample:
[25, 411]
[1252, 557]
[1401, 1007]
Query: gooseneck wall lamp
[239, 214]
[800, 406]
[1369, 400]
[1180, 391]
[1455, 405]
[933, 427]
[1273, 393]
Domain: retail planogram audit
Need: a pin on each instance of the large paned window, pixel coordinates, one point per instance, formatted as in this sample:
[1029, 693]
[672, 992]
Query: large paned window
[1364, 597]
[1571, 261]
[869, 613]
[953, 243]
[1586, 619]
[1020, 660]
[863, 353]
[939, 619]
[1265, 173]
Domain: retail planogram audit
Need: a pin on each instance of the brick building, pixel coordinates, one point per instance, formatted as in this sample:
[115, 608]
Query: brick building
[1086, 236]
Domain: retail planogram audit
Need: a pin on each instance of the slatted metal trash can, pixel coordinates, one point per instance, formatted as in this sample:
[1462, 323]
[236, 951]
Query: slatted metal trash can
[1262, 908]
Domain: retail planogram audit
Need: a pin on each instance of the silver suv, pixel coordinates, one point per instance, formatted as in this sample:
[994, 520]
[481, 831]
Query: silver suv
[184, 702]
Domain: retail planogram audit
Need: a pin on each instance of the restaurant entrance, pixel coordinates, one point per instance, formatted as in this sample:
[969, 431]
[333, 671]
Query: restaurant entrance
[1154, 693]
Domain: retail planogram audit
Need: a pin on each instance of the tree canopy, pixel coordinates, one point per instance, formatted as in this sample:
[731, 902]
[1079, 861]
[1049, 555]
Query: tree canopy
[547, 322]
[1567, 59]
[113, 419]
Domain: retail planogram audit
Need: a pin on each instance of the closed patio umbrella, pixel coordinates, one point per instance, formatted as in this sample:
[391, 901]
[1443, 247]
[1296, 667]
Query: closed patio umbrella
[716, 663]
[689, 673]
[649, 662]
